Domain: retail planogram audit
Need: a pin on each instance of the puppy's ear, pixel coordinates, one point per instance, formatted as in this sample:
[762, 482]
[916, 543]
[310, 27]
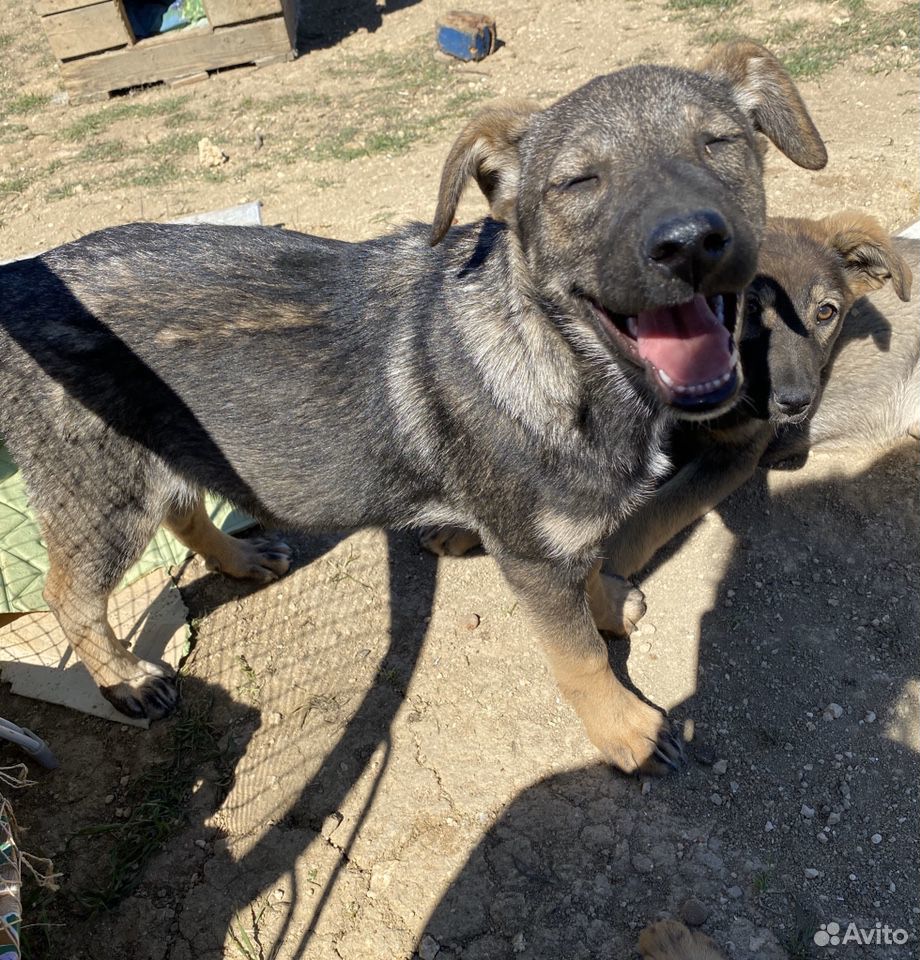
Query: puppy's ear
[868, 255]
[486, 150]
[768, 96]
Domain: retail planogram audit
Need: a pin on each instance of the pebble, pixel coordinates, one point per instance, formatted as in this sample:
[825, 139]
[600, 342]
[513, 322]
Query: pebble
[472, 621]
[807, 812]
[716, 799]
[833, 711]
[642, 863]
[428, 948]
[876, 838]
[769, 826]
[646, 787]
[110, 798]
[811, 873]
[869, 717]
[693, 912]
[833, 818]
[719, 767]
[734, 892]
[201, 844]
[210, 155]
[519, 944]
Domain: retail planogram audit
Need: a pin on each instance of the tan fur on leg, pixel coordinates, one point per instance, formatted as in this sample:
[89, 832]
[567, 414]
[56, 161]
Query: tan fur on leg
[259, 559]
[670, 940]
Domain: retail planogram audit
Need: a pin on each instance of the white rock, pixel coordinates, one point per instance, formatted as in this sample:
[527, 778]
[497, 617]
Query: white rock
[876, 838]
[811, 873]
[807, 812]
[719, 767]
[833, 711]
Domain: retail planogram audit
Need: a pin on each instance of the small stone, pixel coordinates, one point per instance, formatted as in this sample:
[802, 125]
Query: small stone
[519, 944]
[716, 799]
[124, 781]
[110, 798]
[201, 844]
[869, 717]
[646, 787]
[428, 948]
[833, 711]
[734, 786]
[210, 155]
[642, 864]
[769, 826]
[811, 873]
[693, 912]
[807, 812]
[833, 818]
[735, 892]
[822, 837]
[876, 838]
[472, 621]
[719, 767]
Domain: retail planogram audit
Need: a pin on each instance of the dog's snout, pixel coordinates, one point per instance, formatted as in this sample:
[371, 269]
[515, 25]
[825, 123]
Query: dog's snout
[792, 402]
[689, 246]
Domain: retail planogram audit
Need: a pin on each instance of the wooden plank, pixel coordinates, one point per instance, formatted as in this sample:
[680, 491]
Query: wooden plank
[187, 51]
[222, 13]
[75, 33]
[44, 7]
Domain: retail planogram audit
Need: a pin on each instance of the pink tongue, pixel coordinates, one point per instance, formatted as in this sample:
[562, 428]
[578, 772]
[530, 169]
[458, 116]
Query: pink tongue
[687, 342]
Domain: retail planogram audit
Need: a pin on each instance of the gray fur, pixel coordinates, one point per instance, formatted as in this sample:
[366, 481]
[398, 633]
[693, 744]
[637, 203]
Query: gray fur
[324, 385]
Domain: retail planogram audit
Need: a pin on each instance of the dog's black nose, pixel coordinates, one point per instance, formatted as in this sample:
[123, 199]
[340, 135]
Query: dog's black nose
[689, 246]
[791, 402]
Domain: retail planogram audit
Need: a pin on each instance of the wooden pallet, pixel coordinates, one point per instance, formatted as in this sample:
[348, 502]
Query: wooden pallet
[98, 53]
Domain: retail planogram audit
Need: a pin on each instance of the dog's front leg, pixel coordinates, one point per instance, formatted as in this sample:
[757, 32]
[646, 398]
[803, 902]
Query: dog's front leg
[629, 733]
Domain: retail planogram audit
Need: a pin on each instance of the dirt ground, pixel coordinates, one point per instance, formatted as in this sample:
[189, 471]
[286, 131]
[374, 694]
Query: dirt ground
[371, 760]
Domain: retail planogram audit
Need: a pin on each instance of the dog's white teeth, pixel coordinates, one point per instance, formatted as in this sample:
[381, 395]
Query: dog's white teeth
[632, 325]
[695, 389]
[719, 305]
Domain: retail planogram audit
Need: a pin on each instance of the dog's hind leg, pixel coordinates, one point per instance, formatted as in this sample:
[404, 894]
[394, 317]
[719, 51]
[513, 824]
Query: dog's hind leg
[262, 559]
[88, 558]
[629, 732]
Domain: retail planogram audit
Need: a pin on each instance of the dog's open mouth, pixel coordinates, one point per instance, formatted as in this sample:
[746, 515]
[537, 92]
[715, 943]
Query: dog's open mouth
[687, 349]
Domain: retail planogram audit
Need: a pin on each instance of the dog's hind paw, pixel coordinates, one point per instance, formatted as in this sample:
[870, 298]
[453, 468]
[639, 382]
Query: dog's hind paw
[670, 940]
[449, 541]
[153, 693]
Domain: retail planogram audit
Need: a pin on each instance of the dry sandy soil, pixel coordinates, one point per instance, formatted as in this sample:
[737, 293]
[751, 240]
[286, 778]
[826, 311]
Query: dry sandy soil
[359, 770]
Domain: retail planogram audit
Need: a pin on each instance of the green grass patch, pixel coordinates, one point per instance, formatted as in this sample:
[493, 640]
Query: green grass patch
[61, 192]
[14, 185]
[103, 151]
[25, 103]
[95, 123]
[707, 5]
[818, 52]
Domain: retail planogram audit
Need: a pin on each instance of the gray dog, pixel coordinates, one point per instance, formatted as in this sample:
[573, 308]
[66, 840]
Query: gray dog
[326, 385]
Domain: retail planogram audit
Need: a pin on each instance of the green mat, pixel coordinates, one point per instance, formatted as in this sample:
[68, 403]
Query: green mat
[24, 562]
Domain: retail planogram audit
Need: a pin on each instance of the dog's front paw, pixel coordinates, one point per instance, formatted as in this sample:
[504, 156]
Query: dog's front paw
[152, 692]
[630, 734]
[449, 541]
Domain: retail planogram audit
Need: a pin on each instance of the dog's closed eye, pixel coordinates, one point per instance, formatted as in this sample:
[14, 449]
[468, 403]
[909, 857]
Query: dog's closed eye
[583, 181]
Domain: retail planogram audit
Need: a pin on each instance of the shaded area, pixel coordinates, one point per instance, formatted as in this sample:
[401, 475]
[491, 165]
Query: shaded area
[325, 23]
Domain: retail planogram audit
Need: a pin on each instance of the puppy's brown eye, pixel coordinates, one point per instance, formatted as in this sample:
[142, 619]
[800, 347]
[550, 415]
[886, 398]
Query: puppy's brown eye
[825, 313]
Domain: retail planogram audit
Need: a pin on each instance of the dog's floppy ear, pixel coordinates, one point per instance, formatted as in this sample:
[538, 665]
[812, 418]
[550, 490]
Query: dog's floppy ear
[486, 150]
[768, 96]
[867, 252]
